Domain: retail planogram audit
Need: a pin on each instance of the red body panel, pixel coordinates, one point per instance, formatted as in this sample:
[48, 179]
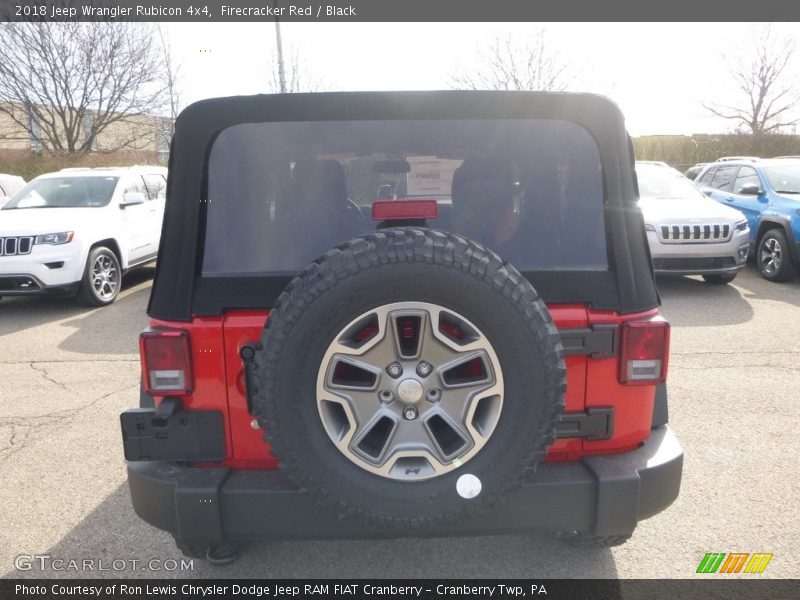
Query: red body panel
[219, 384]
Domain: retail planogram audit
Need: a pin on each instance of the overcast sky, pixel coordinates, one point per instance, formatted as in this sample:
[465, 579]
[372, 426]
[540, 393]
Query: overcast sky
[659, 73]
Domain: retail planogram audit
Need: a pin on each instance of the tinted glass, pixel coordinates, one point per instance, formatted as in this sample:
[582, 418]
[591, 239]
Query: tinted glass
[664, 183]
[746, 176]
[784, 179]
[135, 185]
[156, 187]
[706, 178]
[281, 194]
[723, 178]
[64, 192]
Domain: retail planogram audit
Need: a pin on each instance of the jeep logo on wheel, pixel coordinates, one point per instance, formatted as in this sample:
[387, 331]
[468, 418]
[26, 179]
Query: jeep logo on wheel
[410, 391]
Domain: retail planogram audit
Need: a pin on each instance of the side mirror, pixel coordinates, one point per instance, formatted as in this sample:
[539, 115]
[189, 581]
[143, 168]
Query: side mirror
[131, 199]
[750, 189]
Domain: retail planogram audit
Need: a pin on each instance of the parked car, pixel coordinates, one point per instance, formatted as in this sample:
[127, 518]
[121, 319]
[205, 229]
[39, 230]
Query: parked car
[309, 372]
[692, 171]
[767, 191]
[77, 231]
[9, 185]
[738, 158]
[688, 233]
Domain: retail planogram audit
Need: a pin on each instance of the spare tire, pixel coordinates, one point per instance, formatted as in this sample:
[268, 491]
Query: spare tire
[409, 376]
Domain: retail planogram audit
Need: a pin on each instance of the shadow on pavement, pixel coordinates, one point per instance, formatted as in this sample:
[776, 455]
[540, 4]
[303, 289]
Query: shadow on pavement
[113, 532]
[756, 287]
[691, 302]
[114, 329]
[21, 313]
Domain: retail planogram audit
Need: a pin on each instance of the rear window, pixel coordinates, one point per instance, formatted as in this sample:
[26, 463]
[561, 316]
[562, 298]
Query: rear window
[281, 194]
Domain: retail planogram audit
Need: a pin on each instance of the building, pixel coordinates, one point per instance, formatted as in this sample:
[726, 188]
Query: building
[140, 133]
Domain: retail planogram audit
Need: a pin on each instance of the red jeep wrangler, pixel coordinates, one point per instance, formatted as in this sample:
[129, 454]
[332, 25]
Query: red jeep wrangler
[382, 314]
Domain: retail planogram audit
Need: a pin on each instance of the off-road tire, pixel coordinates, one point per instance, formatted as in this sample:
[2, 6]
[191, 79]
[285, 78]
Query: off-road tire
[719, 278]
[220, 555]
[787, 269]
[399, 265]
[86, 293]
[584, 540]
[192, 550]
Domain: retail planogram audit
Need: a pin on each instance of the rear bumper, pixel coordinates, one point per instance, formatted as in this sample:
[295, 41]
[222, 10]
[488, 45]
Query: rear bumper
[601, 495]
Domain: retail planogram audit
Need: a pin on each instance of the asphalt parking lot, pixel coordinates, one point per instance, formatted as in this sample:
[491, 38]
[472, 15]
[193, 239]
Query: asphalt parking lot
[66, 372]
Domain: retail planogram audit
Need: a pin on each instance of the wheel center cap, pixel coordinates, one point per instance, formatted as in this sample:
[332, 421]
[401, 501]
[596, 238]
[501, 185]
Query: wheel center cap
[410, 391]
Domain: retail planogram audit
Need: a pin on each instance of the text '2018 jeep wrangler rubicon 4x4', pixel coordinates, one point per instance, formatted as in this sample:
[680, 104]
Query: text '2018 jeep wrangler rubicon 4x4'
[478, 350]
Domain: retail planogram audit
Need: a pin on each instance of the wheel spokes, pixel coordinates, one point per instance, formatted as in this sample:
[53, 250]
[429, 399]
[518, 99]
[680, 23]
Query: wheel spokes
[410, 390]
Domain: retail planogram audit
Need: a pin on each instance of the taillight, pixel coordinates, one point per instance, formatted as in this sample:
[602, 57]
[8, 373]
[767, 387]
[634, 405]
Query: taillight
[645, 352]
[166, 362]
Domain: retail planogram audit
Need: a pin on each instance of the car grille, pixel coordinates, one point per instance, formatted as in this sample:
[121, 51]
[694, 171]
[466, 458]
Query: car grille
[677, 234]
[15, 246]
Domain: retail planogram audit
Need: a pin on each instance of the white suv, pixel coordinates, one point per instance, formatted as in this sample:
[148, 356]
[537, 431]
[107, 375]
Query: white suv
[77, 231]
[688, 233]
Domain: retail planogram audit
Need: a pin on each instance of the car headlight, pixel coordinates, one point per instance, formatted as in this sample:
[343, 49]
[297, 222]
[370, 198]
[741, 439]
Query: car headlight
[55, 238]
[649, 227]
[740, 225]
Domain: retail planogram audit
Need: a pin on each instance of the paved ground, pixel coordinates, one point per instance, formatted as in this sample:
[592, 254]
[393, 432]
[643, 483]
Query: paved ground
[67, 372]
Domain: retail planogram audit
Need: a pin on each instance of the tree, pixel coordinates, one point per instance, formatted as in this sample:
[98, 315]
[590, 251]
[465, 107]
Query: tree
[506, 64]
[171, 79]
[767, 82]
[65, 83]
[295, 76]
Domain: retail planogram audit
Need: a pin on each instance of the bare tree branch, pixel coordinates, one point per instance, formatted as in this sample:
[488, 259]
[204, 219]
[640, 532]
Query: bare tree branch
[66, 83]
[507, 64]
[768, 85]
[296, 74]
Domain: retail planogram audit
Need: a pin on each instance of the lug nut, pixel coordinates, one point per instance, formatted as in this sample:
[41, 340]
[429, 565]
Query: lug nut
[424, 369]
[433, 395]
[386, 396]
[394, 370]
[410, 413]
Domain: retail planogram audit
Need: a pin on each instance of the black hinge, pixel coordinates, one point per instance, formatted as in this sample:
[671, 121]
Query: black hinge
[594, 424]
[600, 341]
[248, 355]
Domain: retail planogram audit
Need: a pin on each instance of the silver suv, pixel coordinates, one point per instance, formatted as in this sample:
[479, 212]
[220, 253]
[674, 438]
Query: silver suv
[690, 234]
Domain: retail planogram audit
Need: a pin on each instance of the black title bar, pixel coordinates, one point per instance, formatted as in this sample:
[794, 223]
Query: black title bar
[210, 11]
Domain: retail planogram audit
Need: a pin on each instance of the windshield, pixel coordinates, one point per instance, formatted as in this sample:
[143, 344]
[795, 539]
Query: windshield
[664, 183]
[784, 179]
[281, 194]
[64, 192]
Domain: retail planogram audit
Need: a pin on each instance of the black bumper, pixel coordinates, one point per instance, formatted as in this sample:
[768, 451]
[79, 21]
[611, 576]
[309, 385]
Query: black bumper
[601, 495]
[28, 285]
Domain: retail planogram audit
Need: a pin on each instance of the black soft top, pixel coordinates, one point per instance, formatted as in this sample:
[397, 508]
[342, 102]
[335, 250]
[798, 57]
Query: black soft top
[179, 292]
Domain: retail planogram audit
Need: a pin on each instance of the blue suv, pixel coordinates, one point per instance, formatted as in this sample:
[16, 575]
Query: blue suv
[767, 191]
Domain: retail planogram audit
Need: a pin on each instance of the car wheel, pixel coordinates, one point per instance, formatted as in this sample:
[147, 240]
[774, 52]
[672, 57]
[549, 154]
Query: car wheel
[719, 278]
[774, 261]
[409, 376]
[102, 278]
